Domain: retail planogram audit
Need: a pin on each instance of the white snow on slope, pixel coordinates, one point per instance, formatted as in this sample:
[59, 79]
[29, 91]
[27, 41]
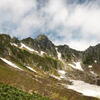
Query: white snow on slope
[13, 44]
[30, 69]
[58, 54]
[28, 48]
[92, 72]
[90, 66]
[56, 77]
[85, 88]
[42, 52]
[76, 65]
[62, 73]
[10, 63]
[95, 61]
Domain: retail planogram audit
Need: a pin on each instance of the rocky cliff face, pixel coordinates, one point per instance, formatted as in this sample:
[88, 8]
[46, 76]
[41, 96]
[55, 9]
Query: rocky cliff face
[69, 54]
[41, 43]
[92, 55]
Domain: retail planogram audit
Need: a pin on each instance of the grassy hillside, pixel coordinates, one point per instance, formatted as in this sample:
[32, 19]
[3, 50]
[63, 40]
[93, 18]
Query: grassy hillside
[11, 93]
[31, 82]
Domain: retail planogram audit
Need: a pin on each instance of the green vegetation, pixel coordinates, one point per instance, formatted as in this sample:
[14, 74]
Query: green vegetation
[11, 93]
[88, 59]
[24, 57]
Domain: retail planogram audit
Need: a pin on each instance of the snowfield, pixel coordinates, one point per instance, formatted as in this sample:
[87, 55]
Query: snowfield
[85, 88]
[58, 54]
[42, 52]
[95, 61]
[92, 72]
[56, 77]
[28, 48]
[30, 69]
[62, 73]
[10, 63]
[90, 66]
[13, 44]
[76, 65]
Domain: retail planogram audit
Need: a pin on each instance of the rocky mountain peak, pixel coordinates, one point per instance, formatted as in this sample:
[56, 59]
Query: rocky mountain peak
[41, 43]
[42, 37]
[98, 45]
[5, 37]
[28, 40]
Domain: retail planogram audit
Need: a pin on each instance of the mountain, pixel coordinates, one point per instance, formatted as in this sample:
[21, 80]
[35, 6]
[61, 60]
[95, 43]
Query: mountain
[92, 54]
[41, 43]
[58, 72]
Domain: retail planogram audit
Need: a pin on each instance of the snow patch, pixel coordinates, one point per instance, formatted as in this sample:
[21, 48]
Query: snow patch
[28, 48]
[56, 77]
[42, 52]
[62, 73]
[93, 73]
[13, 44]
[76, 65]
[95, 61]
[10, 63]
[30, 69]
[85, 88]
[90, 66]
[58, 54]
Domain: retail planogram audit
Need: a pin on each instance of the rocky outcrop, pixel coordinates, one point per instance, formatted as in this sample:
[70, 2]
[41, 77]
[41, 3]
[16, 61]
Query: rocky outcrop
[41, 43]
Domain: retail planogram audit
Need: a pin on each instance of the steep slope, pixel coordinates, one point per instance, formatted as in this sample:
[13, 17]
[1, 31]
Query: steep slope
[37, 65]
[41, 84]
[91, 61]
[41, 44]
[92, 55]
[69, 54]
[24, 55]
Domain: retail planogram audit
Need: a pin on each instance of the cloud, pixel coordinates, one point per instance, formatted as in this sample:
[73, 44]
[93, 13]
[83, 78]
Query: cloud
[76, 24]
[87, 19]
[17, 8]
[12, 13]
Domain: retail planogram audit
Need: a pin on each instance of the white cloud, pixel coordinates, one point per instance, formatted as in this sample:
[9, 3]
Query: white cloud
[87, 19]
[73, 22]
[18, 8]
[81, 45]
[27, 24]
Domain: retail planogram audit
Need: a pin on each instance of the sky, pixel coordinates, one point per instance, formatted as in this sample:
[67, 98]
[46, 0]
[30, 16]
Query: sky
[72, 22]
